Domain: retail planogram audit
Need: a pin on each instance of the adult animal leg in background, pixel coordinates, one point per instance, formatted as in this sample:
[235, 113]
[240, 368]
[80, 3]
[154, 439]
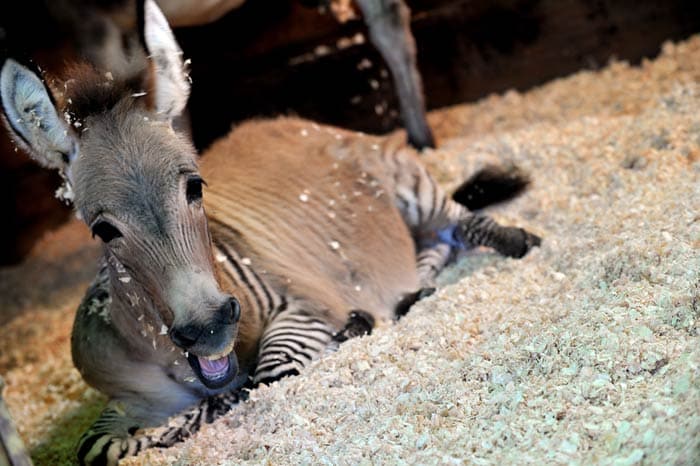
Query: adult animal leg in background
[389, 26]
[388, 23]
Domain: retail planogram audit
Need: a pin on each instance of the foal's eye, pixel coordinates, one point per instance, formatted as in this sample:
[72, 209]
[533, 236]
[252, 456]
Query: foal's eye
[106, 231]
[194, 189]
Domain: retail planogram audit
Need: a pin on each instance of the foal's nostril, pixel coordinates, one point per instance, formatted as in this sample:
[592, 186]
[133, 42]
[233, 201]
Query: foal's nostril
[230, 311]
[235, 310]
[185, 337]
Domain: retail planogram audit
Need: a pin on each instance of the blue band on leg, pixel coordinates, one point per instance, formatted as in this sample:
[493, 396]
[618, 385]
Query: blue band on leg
[447, 236]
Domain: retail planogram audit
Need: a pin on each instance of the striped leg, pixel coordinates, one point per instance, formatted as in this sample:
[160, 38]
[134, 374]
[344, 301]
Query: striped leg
[480, 230]
[187, 423]
[430, 261]
[115, 435]
[294, 338]
[291, 341]
[456, 226]
[433, 217]
[110, 438]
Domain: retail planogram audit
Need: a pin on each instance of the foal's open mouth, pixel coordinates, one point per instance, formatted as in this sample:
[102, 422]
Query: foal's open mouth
[217, 370]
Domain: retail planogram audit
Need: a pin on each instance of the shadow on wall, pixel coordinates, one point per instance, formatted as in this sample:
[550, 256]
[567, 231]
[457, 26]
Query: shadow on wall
[276, 56]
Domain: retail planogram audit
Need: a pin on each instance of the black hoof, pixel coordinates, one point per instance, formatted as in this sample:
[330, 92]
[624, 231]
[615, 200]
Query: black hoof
[359, 323]
[423, 140]
[419, 134]
[410, 299]
[519, 243]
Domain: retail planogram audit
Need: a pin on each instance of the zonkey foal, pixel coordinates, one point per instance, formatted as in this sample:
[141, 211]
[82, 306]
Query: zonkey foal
[307, 235]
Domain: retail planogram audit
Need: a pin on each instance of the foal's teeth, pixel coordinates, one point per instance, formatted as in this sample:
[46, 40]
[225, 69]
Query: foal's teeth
[220, 355]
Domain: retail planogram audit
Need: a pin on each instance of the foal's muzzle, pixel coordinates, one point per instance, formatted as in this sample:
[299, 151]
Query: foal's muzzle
[210, 346]
[194, 334]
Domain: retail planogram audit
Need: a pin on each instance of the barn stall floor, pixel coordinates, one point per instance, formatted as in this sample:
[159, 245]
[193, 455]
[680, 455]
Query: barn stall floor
[586, 351]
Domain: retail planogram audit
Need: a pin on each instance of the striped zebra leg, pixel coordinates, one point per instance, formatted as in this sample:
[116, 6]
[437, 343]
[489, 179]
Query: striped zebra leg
[481, 230]
[430, 261]
[111, 438]
[432, 216]
[115, 435]
[456, 226]
[291, 341]
[185, 424]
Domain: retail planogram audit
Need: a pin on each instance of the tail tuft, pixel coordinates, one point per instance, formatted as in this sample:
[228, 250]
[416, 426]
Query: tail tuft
[491, 185]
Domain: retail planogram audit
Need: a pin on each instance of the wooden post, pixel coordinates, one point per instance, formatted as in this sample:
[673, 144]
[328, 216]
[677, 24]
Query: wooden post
[12, 451]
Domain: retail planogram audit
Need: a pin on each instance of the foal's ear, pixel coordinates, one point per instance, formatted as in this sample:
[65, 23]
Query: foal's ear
[171, 83]
[31, 117]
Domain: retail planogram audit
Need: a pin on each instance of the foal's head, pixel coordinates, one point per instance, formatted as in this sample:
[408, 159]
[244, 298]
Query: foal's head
[135, 183]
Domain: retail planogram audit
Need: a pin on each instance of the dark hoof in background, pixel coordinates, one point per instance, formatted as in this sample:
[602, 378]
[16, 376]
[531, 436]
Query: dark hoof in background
[359, 323]
[422, 141]
[410, 299]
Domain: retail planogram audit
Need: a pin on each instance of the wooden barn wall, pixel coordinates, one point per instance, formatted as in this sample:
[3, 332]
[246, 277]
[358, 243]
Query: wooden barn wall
[277, 56]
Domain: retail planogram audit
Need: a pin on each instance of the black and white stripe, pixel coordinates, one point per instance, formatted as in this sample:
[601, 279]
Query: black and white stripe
[109, 439]
[207, 411]
[112, 438]
[291, 341]
[243, 277]
[292, 337]
[430, 261]
[426, 209]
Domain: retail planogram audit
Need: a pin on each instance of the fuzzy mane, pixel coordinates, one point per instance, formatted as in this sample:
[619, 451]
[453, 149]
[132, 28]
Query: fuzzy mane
[84, 91]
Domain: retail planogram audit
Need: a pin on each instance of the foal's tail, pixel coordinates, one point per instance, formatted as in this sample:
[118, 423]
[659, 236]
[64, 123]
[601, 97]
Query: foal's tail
[491, 185]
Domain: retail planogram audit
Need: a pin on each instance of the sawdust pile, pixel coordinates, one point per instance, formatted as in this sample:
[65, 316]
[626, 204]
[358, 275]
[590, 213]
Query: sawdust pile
[585, 351]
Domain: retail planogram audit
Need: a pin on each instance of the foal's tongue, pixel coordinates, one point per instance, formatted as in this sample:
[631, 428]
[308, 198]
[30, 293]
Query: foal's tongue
[213, 369]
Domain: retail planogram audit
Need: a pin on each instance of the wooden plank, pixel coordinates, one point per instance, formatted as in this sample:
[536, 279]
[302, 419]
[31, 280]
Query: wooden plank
[12, 450]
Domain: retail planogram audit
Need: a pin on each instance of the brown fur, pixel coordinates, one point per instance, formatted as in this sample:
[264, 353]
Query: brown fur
[257, 177]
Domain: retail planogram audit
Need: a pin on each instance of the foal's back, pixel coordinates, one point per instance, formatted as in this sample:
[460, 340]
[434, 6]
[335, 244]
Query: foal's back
[304, 203]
